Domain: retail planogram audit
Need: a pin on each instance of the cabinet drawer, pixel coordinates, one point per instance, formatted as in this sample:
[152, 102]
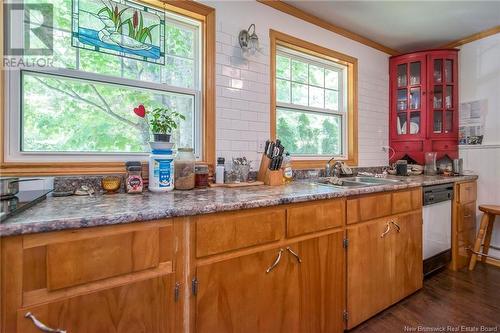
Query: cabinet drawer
[81, 261]
[368, 207]
[467, 192]
[404, 201]
[312, 217]
[142, 306]
[444, 145]
[223, 232]
[408, 146]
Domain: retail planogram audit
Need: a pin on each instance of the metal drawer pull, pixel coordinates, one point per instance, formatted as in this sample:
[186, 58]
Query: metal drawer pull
[294, 254]
[276, 262]
[387, 229]
[42, 326]
[396, 225]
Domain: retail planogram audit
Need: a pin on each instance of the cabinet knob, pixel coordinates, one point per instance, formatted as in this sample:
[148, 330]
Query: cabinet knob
[41, 326]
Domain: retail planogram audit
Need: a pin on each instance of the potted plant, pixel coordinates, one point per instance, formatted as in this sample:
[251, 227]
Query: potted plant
[161, 121]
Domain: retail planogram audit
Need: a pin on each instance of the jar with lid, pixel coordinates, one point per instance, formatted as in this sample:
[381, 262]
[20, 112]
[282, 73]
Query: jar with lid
[184, 169]
[201, 176]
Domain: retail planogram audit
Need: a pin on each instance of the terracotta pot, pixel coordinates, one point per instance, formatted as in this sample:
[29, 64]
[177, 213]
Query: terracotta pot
[160, 137]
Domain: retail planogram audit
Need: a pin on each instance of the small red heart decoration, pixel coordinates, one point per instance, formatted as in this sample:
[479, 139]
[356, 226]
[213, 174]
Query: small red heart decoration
[140, 111]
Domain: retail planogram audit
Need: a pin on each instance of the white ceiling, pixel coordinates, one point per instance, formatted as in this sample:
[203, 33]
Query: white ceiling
[407, 25]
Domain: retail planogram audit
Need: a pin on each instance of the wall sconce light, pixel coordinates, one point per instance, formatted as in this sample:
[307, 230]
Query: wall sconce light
[249, 41]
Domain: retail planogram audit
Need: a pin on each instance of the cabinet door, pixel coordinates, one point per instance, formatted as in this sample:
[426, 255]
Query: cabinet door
[408, 255]
[370, 269]
[320, 283]
[443, 99]
[139, 307]
[238, 295]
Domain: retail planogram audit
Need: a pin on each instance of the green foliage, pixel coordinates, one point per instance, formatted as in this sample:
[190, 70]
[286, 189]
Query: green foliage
[163, 120]
[286, 135]
[330, 143]
[66, 115]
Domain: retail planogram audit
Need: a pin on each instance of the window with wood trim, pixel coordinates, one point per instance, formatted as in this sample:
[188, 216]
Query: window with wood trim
[313, 101]
[80, 107]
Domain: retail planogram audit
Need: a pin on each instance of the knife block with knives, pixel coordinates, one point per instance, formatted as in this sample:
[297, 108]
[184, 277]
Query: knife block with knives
[270, 165]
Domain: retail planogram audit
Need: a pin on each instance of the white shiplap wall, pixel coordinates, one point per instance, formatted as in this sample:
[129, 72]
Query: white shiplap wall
[243, 93]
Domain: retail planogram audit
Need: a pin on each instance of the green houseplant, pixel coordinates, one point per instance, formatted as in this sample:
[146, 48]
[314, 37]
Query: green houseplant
[161, 121]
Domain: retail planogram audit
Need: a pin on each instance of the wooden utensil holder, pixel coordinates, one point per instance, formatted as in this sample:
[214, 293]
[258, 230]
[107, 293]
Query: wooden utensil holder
[273, 177]
[264, 165]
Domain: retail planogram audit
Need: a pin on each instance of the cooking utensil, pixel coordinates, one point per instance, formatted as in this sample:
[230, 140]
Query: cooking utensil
[9, 186]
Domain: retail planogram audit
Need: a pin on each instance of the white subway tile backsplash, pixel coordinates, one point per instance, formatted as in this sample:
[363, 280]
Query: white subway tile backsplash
[243, 101]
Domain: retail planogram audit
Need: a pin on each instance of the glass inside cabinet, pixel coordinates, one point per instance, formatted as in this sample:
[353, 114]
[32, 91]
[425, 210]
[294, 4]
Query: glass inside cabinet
[438, 97]
[401, 123]
[415, 98]
[438, 121]
[414, 122]
[438, 70]
[402, 102]
[414, 73]
[449, 97]
[402, 81]
[448, 71]
[448, 123]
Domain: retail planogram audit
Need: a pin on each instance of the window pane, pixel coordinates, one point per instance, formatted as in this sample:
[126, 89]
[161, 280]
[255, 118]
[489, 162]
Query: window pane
[316, 76]
[69, 115]
[332, 100]
[179, 42]
[299, 94]
[299, 71]
[316, 97]
[100, 63]
[283, 67]
[306, 133]
[283, 91]
[179, 72]
[331, 79]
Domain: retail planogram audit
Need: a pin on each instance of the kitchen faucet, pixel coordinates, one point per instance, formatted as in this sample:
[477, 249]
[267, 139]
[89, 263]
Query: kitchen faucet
[336, 168]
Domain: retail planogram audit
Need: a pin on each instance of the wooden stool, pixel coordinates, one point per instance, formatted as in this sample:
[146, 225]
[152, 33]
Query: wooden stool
[485, 231]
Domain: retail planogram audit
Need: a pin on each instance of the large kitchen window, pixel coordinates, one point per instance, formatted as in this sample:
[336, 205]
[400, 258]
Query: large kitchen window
[314, 104]
[81, 107]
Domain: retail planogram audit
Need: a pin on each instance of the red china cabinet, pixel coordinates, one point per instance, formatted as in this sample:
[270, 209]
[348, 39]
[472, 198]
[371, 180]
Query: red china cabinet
[424, 105]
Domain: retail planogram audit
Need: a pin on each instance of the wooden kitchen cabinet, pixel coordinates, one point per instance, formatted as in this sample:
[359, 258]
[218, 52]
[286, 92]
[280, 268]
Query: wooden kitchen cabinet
[141, 306]
[384, 264]
[463, 230]
[239, 295]
[303, 293]
[116, 279]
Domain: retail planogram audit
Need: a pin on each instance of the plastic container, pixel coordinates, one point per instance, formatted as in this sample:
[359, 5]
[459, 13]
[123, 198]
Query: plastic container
[287, 169]
[161, 170]
[219, 170]
[184, 169]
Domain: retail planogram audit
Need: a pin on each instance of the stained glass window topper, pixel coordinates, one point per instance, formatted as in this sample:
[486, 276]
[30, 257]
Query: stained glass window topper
[122, 28]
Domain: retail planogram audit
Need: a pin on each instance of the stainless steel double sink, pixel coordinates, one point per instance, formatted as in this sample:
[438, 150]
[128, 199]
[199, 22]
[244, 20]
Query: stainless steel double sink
[357, 182]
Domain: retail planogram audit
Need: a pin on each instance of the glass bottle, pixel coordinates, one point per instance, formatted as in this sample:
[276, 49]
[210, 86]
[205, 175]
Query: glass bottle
[184, 169]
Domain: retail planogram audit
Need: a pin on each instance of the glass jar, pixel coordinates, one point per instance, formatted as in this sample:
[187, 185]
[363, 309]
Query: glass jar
[201, 176]
[184, 169]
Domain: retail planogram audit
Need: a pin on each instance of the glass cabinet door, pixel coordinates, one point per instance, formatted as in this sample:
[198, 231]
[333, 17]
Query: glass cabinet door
[409, 91]
[443, 108]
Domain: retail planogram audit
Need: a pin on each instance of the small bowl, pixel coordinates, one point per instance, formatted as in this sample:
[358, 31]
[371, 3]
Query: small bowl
[159, 145]
[111, 184]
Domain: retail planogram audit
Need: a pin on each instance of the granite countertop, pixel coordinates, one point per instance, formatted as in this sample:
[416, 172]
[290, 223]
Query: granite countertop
[81, 212]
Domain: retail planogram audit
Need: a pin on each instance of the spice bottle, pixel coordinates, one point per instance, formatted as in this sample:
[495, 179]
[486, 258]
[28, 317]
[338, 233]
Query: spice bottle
[134, 182]
[184, 169]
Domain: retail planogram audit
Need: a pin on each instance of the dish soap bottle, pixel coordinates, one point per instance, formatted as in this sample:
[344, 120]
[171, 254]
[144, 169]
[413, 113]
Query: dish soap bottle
[287, 169]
